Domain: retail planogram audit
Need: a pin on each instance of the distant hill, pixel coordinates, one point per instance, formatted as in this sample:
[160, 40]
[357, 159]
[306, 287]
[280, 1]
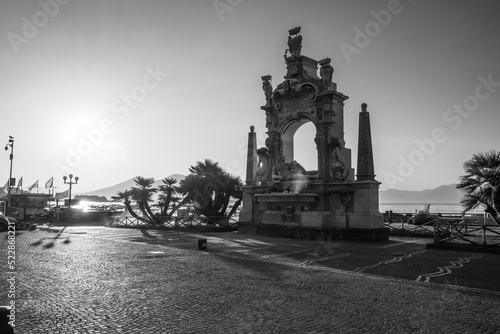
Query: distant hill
[442, 194]
[113, 190]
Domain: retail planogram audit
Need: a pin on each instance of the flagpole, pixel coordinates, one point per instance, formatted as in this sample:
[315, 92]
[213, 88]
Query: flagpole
[11, 156]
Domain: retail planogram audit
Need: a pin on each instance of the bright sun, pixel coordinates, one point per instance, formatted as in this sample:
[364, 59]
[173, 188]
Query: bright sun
[73, 129]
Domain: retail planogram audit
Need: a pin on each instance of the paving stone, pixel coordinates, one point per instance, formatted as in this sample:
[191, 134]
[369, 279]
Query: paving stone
[117, 283]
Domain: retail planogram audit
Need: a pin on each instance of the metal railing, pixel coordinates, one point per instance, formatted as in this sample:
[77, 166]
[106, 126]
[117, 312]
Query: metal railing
[191, 221]
[477, 232]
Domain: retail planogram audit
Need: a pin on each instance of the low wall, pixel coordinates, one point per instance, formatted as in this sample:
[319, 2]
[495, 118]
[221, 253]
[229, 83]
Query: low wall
[326, 234]
[86, 218]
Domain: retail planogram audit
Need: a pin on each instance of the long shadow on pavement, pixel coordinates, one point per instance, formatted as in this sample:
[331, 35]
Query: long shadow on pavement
[146, 234]
[51, 244]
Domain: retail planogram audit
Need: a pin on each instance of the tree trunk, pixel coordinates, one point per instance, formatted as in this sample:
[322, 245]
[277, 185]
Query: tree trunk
[222, 212]
[496, 199]
[167, 203]
[235, 207]
[494, 214]
[150, 213]
[145, 216]
[132, 212]
[181, 203]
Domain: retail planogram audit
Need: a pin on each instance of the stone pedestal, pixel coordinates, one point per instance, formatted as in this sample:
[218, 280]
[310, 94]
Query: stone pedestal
[333, 211]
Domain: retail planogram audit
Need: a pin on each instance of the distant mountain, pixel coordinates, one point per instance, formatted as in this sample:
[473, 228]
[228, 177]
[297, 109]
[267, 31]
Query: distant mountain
[113, 190]
[442, 194]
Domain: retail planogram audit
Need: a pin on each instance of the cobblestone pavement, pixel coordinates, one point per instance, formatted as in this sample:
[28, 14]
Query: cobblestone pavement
[103, 280]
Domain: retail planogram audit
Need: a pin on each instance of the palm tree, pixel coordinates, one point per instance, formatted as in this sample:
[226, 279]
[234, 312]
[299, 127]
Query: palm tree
[234, 191]
[168, 197]
[210, 189]
[143, 194]
[481, 183]
[206, 168]
[125, 197]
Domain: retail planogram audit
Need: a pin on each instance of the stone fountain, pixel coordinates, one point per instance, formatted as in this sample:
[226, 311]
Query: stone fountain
[280, 197]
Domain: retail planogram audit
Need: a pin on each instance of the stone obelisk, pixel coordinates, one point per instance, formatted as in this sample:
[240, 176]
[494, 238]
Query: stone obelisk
[365, 170]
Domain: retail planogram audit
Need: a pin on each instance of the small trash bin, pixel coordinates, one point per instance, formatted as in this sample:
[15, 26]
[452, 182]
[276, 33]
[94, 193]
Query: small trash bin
[202, 244]
[5, 327]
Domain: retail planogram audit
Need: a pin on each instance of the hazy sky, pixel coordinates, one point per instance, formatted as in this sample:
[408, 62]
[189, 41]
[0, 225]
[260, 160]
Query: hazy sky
[108, 90]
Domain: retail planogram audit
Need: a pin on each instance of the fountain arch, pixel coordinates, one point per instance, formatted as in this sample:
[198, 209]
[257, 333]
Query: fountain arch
[304, 147]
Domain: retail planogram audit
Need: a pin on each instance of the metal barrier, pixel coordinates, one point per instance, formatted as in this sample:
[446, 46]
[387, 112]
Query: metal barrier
[128, 221]
[191, 221]
[476, 232]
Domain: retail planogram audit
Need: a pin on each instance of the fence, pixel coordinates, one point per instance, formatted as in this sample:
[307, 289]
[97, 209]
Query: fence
[476, 232]
[192, 221]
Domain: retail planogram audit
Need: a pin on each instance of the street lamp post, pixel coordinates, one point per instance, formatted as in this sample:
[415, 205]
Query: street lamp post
[11, 156]
[71, 183]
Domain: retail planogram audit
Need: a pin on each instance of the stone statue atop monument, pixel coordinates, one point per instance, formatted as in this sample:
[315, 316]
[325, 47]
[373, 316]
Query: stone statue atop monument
[268, 88]
[294, 42]
[326, 73]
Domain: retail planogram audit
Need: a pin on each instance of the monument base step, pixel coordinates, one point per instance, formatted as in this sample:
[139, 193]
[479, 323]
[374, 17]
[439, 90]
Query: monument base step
[325, 234]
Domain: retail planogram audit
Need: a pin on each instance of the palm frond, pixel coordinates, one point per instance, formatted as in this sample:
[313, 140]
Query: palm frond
[481, 182]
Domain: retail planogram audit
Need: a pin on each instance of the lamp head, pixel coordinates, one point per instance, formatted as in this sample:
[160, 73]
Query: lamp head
[64, 178]
[76, 179]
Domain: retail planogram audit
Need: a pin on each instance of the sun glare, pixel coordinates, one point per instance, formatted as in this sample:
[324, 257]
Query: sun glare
[73, 129]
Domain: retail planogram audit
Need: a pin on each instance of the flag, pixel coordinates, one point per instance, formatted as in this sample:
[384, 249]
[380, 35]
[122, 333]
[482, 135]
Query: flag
[6, 186]
[19, 185]
[33, 186]
[62, 195]
[49, 183]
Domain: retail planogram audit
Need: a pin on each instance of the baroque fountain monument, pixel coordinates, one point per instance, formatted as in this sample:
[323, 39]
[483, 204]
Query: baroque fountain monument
[280, 197]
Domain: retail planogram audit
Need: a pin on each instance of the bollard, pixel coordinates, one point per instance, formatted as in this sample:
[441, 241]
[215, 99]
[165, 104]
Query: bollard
[202, 244]
[5, 327]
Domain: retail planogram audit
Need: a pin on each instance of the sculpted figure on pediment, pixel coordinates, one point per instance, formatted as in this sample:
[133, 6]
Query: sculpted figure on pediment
[288, 177]
[326, 73]
[268, 88]
[262, 166]
[338, 169]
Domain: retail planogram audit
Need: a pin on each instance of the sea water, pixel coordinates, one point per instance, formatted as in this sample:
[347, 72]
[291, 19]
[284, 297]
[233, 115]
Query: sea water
[442, 208]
